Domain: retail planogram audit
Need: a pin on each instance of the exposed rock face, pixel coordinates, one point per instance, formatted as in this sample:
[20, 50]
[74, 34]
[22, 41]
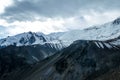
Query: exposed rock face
[83, 60]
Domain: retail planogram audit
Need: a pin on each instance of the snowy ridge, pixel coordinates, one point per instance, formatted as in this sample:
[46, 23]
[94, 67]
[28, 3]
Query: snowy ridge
[23, 39]
[103, 32]
[31, 38]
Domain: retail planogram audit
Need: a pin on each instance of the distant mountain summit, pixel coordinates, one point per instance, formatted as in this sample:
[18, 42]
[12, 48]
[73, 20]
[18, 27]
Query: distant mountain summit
[27, 38]
[32, 38]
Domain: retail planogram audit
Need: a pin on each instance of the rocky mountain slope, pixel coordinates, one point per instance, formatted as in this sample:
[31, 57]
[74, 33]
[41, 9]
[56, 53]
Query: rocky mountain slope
[82, 60]
[13, 58]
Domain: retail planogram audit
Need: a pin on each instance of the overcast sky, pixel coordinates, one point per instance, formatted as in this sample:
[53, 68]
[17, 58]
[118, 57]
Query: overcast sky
[17, 16]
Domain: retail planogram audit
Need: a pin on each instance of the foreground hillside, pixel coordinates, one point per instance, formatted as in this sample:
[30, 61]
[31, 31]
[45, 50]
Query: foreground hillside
[13, 58]
[82, 60]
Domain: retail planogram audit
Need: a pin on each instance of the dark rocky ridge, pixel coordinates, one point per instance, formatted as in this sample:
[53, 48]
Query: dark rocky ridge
[83, 60]
[13, 58]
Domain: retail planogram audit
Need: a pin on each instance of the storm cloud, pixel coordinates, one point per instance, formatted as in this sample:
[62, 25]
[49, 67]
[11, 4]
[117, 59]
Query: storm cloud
[23, 10]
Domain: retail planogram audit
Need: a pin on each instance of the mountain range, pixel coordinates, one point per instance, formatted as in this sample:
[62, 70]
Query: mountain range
[88, 54]
[103, 32]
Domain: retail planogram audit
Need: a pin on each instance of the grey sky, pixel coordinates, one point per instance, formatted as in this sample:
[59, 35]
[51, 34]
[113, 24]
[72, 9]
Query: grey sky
[68, 14]
[28, 9]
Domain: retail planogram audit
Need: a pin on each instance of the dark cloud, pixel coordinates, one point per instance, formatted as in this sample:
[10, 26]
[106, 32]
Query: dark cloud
[29, 9]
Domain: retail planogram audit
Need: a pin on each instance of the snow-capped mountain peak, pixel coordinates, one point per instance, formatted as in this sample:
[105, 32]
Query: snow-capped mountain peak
[32, 38]
[24, 39]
